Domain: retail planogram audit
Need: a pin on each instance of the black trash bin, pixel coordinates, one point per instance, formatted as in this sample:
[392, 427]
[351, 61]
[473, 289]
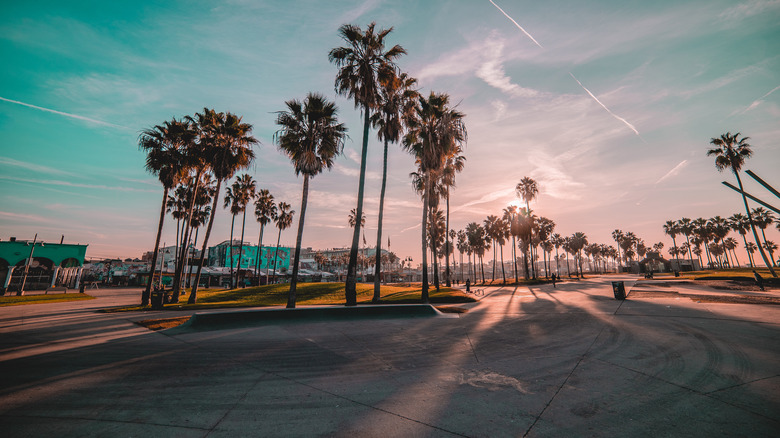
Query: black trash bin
[157, 300]
[619, 289]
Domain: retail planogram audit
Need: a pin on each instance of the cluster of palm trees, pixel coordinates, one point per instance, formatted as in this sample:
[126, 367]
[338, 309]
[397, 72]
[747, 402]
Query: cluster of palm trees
[712, 234]
[202, 153]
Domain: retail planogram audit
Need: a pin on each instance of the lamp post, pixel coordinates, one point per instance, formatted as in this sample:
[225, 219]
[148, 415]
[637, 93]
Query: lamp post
[27, 265]
[409, 264]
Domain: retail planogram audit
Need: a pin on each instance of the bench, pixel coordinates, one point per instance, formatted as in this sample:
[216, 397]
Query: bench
[62, 289]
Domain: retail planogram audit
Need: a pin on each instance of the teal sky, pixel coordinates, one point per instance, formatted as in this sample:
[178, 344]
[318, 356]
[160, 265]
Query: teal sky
[81, 80]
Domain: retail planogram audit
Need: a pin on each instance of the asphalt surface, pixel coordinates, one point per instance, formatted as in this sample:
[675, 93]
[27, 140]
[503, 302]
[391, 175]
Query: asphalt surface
[538, 361]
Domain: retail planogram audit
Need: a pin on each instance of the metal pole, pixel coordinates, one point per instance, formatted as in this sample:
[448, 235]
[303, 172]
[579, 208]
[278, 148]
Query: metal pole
[27, 267]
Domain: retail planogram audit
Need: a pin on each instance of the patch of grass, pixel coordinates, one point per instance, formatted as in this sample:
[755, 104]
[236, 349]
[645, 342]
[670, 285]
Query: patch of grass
[309, 294]
[163, 323]
[42, 299]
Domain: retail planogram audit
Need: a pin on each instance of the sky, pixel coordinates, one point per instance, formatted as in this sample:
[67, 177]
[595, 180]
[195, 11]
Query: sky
[608, 105]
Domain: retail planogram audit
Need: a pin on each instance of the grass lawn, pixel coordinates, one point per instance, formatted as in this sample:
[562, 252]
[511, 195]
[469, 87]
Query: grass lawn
[310, 294]
[720, 274]
[42, 299]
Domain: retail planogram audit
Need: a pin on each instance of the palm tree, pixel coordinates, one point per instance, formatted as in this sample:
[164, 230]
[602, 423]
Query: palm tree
[771, 248]
[226, 147]
[545, 227]
[283, 221]
[233, 202]
[750, 247]
[166, 146]
[763, 218]
[510, 215]
[557, 242]
[435, 132]
[363, 65]
[352, 219]
[436, 232]
[265, 212]
[462, 247]
[578, 241]
[525, 225]
[311, 137]
[397, 96]
[672, 229]
[720, 229]
[247, 190]
[730, 153]
[527, 189]
[618, 236]
[731, 244]
[739, 223]
[685, 225]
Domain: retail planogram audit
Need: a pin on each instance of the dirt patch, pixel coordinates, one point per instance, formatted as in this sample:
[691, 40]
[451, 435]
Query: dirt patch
[732, 284]
[725, 299]
[164, 323]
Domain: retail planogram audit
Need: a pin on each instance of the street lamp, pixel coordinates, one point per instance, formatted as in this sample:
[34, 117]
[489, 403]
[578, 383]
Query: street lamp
[409, 264]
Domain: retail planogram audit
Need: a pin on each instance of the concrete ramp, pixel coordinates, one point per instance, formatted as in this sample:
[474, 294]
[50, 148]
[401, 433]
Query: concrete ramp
[243, 318]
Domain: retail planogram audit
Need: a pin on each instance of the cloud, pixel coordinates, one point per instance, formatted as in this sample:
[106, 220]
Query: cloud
[34, 167]
[492, 72]
[757, 102]
[676, 170]
[748, 9]
[73, 116]
[24, 217]
[70, 184]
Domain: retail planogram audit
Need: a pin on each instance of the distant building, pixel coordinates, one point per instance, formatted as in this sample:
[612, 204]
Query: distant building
[52, 264]
[220, 256]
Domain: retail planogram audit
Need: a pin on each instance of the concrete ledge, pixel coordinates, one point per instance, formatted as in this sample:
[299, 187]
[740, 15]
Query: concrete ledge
[217, 320]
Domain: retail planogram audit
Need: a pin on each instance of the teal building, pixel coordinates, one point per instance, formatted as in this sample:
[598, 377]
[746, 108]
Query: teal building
[48, 264]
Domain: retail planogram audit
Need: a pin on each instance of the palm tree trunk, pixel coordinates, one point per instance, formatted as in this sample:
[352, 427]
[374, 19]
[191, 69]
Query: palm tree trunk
[424, 294]
[514, 256]
[148, 290]
[503, 272]
[301, 218]
[276, 253]
[259, 253]
[194, 294]
[494, 262]
[750, 258]
[232, 225]
[241, 249]
[448, 283]
[350, 291]
[378, 267]
[187, 221]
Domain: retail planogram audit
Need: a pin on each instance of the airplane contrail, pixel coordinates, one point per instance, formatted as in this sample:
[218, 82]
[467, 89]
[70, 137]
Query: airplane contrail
[518, 26]
[604, 106]
[73, 116]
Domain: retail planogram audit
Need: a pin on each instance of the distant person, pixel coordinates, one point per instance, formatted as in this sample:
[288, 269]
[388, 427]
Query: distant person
[553, 280]
[468, 285]
[759, 280]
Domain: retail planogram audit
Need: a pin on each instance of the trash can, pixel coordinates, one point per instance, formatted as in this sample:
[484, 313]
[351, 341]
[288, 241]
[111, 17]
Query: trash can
[619, 289]
[157, 300]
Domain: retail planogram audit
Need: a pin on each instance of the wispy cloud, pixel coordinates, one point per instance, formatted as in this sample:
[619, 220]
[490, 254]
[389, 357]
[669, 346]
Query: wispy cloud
[33, 167]
[748, 9]
[24, 217]
[758, 101]
[605, 107]
[72, 116]
[55, 182]
[492, 72]
[677, 169]
[515, 22]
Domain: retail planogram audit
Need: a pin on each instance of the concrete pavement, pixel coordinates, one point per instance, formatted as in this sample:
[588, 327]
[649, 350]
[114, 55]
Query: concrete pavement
[524, 361]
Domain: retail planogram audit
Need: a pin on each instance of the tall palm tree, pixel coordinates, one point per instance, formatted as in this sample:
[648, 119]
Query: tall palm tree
[578, 241]
[283, 221]
[247, 191]
[771, 248]
[396, 102]
[557, 242]
[739, 223]
[528, 189]
[362, 64]
[226, 146]
[454, 164]
[435, 132]
[311, 136]
[618, 236]
[166, 146]
[509, 216]
[685, 225]
[763, 218]
[730, 153]
[671, 228]
[233, 202]
[545, 227]
[265, 212]
[436, 232]
[462, 246]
